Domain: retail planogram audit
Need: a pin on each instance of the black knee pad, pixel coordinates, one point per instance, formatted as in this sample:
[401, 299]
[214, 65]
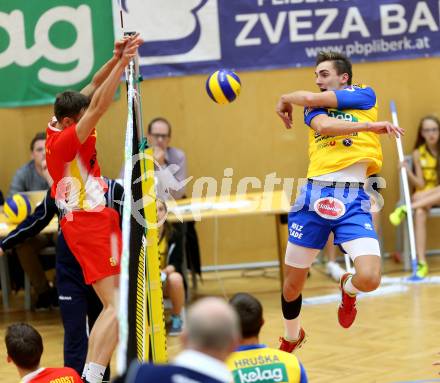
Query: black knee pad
[291, 309]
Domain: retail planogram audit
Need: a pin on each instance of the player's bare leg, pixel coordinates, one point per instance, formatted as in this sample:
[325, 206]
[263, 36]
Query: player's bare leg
[298, 261]
[104, 335]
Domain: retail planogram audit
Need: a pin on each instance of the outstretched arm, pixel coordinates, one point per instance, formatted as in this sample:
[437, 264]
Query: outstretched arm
[330, 126]
[105, 70]
[104, 94]
[303, 98]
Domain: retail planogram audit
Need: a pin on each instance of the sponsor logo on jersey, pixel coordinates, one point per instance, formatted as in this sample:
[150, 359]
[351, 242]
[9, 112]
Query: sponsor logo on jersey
[342, 116]
[262, 374]
[329, 208]
[347, 142]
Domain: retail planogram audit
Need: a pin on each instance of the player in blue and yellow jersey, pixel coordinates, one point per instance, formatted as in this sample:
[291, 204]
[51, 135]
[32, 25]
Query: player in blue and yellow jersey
[344, 149]
[255, 362]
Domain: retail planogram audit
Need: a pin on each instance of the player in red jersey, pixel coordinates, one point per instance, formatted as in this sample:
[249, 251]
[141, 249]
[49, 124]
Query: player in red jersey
[25, 346]
[91, 230]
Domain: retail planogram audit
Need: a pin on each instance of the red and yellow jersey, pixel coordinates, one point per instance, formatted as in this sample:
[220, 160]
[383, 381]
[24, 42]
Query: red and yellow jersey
[259, 363]
[54, 375]
[332, 153]
[74, 169]
[428, 162]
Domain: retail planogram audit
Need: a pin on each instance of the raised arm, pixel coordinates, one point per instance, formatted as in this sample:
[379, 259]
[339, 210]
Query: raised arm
[105, 70]
[103, 96]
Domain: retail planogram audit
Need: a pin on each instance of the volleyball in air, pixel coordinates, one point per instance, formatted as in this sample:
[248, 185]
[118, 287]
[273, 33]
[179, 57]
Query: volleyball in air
[223, 86]
[17, 208]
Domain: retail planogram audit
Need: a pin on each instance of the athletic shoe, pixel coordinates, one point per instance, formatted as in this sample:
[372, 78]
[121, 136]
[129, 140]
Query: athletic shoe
[398, 215]
[347, 309]
[290, 346]
[422, 269]
[44, 301]
[176, 325]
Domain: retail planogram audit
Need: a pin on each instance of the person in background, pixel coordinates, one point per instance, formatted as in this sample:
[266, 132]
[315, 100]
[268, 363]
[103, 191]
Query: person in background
[25, 347]
[31, 177]
[170, 252]
[210, 334]
[425, 177]
[272, 364]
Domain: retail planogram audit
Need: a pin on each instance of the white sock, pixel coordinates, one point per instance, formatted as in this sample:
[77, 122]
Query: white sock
[291, 329]
[84, 373]
[349, 288]
[95, 373]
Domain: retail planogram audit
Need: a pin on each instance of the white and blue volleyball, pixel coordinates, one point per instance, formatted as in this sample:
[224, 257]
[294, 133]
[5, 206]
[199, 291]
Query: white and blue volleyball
[223, 86]
[17, 208]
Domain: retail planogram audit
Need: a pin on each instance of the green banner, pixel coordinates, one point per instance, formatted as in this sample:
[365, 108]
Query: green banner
[48, 46]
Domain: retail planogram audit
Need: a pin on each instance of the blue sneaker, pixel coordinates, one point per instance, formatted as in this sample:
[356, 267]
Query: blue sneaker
[176, 325]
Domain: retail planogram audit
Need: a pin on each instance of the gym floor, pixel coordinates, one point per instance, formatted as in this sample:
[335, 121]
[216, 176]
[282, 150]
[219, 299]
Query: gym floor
[395, 337]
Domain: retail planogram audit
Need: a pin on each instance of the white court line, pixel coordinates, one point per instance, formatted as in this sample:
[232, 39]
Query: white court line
[410, 281]
[330, 298]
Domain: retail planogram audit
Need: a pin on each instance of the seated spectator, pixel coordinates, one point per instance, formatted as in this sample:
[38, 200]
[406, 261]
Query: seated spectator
[268, 364]
[171, 174]
[425, 177]
[32, 177]
[25, 347]
[210, 334]
[170, 252]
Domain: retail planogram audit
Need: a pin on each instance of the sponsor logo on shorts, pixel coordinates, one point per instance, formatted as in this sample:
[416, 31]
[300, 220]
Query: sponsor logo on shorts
[329, 208]
[368, 226]
[262, 374]
[295, 230]
[112, 261]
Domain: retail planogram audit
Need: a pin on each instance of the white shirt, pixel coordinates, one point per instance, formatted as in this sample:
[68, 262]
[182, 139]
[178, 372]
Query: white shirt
[203, 364]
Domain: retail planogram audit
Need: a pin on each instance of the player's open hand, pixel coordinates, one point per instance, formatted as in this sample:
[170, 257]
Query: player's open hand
[119, 46]
[386, 127]
[284, 110]
[130, 48]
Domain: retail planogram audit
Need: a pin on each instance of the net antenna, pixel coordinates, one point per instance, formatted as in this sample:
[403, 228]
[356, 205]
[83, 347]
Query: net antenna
[406, 194]
[141, 318]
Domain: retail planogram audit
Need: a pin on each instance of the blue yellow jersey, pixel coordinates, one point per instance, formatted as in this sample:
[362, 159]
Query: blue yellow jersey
[428, 162]
[332, 153]
[261, 364]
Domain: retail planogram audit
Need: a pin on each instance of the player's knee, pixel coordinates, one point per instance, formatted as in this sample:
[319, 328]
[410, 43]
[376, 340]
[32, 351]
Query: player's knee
[369, 280]
[175, 279]
[291, 290]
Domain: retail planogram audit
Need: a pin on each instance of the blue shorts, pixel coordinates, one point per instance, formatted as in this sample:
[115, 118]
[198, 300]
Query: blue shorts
[343, 209]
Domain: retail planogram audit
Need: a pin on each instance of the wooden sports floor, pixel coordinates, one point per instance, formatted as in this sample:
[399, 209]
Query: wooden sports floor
[395, 338]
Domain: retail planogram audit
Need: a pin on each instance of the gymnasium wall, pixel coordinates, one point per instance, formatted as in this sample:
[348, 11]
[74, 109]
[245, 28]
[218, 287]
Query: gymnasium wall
[246, 136]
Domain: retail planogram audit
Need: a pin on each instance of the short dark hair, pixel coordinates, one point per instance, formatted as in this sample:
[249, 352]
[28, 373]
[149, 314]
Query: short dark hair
[340, 62]
[70, 104]
[159, 119]
[24, 345]
[250, 313]
[39, 136]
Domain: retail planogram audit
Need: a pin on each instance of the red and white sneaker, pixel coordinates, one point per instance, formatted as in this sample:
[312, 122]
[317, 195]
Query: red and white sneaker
[347, 309]
[290, 346]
